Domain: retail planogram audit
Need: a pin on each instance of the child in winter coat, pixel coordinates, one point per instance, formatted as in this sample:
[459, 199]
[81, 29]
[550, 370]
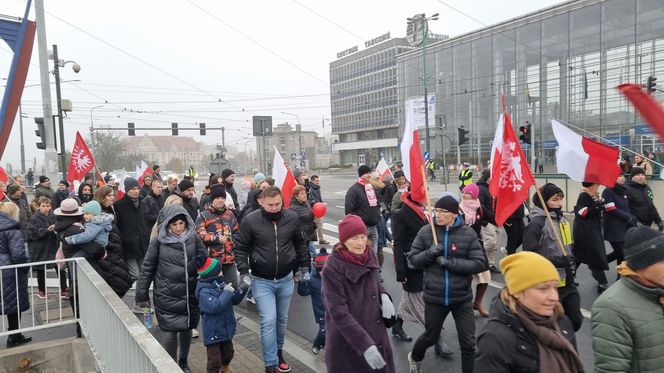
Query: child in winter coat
[43, 244]
[97, 227]
[216, 299]
[313, 287]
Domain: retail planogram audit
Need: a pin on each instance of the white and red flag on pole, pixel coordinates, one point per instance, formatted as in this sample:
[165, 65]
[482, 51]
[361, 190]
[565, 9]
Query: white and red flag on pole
[648, 107]
[412, 158]
[583, 159]
[143, 171]
[81, 161]
[383, 169]
[283, 177]
[510, 173]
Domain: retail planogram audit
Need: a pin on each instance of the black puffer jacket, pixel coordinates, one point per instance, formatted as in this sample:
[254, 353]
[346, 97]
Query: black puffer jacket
[485, 196]
[405, 225]
[306, 216]
[460, 246]
[252, 202]
[504, 345]
[42, 243]
[151, 206]
[256, 241]
[641, 203]
[12, 251]
[358, 204]
[134, 232]
[171, 263]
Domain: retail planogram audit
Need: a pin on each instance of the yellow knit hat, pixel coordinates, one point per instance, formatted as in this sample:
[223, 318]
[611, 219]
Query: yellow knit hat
[525, 269]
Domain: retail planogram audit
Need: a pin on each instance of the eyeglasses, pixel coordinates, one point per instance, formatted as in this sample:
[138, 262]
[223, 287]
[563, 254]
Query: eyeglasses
[441, 211]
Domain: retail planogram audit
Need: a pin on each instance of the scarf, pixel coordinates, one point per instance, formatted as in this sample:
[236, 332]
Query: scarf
[357, 259]
[556, 354]
[469, 208]
[371, 194]
[413, 206]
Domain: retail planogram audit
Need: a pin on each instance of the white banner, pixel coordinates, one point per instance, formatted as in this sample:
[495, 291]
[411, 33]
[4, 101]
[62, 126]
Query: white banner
[415, 111]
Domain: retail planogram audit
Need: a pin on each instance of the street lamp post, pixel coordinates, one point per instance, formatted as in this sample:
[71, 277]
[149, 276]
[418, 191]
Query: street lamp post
[61, 126]
[92, 130]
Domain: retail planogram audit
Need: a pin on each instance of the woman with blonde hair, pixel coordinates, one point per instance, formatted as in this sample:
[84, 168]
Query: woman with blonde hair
[527, 331]
[14, 281]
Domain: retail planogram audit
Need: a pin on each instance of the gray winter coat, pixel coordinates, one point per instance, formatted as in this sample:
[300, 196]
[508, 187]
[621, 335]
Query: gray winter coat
[171, 263]
[539, 237]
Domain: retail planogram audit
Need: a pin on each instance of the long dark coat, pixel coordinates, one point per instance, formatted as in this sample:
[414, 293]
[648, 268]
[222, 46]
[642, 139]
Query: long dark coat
[131, 222]
[405, 225]
[12, 251]
[306, 216]
[618, 218]
[587, 232]
[42, 244]
[354, 320]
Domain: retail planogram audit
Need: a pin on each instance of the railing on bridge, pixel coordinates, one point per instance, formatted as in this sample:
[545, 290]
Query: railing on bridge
[118, 340]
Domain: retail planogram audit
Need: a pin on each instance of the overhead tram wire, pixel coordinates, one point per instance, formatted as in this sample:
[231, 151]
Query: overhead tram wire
[330, 21]
[140, 60]
[258, 43]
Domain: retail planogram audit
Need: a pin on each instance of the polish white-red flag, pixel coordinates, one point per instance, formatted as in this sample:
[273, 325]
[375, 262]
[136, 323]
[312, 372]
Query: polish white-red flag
[283, 177]
[511, 177]
[583, 159]
[412, 158]
[81, 161]
[383, 169]
[143, 171]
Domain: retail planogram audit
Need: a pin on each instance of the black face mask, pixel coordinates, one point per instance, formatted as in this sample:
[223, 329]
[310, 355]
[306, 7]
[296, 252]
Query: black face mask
[273, 216]
[556, 213]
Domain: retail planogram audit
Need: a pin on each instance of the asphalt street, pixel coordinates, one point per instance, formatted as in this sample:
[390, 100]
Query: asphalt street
[301, 320]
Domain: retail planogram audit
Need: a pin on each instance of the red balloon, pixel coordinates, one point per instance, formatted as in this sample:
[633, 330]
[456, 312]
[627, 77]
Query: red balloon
[319, 209]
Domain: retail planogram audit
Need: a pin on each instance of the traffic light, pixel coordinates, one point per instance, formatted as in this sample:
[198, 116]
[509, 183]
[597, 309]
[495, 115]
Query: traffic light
[202, 127]
[525, 133]
[131, 130]
[174, 129]
[461, 138]
[652, 84]
[40, 132]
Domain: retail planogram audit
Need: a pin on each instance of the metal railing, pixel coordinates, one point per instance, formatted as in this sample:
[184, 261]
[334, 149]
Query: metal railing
[118, 340]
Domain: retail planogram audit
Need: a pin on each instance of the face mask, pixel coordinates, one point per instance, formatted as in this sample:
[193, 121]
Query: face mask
[556, 212]
[273, 216]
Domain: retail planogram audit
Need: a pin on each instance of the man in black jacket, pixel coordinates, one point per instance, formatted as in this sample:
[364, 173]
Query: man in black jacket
[490, 233]
[153, 203]
[448, 268]
[315, 197]
[361, 200]
[189, 201]
[271, 244]
[130, 219]
[640, 198]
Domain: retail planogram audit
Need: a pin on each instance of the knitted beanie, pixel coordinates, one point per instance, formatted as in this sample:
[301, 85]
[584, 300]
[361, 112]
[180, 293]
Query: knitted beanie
[43, 179]
[643, 247]
[129, 183]
[448, 203]
[226, 173]
[210, 269]
[637, 171]
[548, 190]
[526, 269]
[216, 191]
[185, 184]
[93, 207]
[351, 226]
[472, 189]
[364, 169]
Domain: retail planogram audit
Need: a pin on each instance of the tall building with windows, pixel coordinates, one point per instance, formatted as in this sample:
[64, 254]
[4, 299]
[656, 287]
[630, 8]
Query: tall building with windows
[561, 62]
[364, 94]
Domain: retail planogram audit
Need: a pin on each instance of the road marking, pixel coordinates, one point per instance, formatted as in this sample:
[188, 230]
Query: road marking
[291, 347]
[340, 207]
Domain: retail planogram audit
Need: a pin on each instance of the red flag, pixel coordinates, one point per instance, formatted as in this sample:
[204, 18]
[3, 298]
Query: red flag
[649, 108]
[81, 161]
[412, 159]
[3, 175]
[283, 177]
[143, 171]
[511, 176]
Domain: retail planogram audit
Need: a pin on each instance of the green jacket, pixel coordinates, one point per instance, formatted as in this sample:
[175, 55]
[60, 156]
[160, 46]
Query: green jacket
[628, 328]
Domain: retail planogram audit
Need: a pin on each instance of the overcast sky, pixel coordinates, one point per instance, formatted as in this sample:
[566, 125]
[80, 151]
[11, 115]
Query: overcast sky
[218, 62]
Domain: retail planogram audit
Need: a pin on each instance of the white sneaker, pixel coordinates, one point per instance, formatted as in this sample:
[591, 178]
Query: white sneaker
[503, 250]
[194, 333]
[251, 299]
[415, 366]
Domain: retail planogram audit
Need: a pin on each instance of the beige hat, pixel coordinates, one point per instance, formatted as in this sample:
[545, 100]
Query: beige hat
[69, 207]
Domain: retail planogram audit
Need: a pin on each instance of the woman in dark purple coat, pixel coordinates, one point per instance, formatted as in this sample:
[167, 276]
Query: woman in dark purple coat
[356, 339]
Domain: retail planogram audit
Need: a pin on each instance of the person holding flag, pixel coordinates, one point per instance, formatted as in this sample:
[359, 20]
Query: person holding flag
[361, 200]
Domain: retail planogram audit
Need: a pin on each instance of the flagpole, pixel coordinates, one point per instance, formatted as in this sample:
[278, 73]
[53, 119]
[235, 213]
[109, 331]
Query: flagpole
[548, 218]
[431, 214]
[611, 142]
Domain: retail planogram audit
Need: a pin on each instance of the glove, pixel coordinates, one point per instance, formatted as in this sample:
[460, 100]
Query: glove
[229, 287]
[569, 263]
[435, 251]
[660, 226]
[145, 304]
[245, 282]
[387, 306]
[374, 358]
[441, 261]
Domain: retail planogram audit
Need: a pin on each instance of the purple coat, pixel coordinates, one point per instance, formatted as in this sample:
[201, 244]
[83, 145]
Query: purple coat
[354, 320]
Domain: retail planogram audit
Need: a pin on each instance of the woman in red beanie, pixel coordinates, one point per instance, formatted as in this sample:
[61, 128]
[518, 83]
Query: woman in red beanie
[357, 305]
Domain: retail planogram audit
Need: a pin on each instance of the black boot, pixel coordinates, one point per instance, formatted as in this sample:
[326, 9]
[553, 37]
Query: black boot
[271, 369]
[16, 340]
[442, 349]
[601, 288]
[184, 366]
[397, 331]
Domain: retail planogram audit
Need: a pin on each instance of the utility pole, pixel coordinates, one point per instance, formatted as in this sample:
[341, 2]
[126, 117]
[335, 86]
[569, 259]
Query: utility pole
[50, 156]
[61, 125]
[20, 123]
[223, 140]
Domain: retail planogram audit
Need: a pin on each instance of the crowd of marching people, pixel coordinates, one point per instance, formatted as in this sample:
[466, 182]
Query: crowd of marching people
[202, 254]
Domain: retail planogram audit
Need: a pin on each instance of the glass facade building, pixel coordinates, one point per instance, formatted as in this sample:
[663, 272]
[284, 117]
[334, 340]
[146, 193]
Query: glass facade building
[562, 62]
[364, 102]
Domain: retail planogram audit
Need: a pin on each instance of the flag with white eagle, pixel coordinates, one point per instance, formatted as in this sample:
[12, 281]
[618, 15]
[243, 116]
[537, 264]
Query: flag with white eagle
[81, 161]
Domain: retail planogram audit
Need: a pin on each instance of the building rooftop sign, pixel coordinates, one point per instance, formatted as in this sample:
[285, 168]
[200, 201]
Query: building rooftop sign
[347, 52]
[377, 40]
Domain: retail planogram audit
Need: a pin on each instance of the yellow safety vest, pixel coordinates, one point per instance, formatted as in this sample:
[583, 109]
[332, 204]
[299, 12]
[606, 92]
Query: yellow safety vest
[465, 173]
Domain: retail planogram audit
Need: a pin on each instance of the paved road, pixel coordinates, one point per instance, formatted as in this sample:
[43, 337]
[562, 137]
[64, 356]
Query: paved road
[301, 319]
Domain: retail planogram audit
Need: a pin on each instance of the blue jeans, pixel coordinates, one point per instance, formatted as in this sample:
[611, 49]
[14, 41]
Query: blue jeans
[312, 249]
[273, 301]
